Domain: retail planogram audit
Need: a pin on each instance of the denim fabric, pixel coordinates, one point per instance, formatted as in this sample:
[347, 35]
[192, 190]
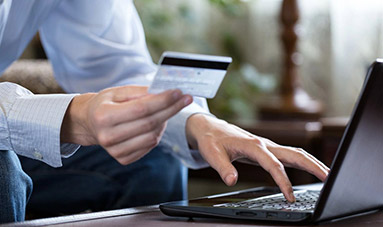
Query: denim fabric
[93, 180]
[15, 188]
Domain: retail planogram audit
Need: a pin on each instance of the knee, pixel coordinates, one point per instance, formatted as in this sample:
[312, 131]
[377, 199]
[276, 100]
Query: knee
[13, 176]
[167, 175]
[15, 188]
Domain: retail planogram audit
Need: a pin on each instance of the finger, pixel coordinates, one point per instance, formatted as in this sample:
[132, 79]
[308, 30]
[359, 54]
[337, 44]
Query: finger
[132, 145]
[272, 144]
[272, 165]
[126, 93]
[133, 157]
[299, 159]
[221, 162]
[280, 177]
[274, 147]
[125, 130]
[148, 105]
[318, 162]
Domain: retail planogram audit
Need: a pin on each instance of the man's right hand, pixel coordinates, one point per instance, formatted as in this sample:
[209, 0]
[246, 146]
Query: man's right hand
[127, 121]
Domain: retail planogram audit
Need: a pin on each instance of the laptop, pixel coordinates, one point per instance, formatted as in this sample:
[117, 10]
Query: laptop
[354, 184]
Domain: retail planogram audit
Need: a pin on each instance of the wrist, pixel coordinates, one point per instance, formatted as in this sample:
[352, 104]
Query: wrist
[74, 126]
[195, 125]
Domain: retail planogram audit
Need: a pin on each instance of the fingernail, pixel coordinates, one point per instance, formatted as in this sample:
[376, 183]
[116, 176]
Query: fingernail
[230, 179]
[188, 100]
[176, 94]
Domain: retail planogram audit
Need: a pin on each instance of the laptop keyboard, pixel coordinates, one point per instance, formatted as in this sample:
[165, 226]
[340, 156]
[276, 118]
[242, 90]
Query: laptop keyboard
[305, 201]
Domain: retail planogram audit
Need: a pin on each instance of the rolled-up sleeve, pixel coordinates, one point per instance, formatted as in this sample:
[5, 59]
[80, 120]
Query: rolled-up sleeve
[30, 124]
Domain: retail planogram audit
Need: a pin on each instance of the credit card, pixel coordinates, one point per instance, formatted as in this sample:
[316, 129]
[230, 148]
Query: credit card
[194, 74]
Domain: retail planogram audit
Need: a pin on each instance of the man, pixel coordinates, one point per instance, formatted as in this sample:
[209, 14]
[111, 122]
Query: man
[98, 44]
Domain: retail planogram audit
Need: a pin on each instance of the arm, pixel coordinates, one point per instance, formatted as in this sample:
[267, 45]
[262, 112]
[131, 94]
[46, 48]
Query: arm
[126, 121]
[30, 124]
[107, 48]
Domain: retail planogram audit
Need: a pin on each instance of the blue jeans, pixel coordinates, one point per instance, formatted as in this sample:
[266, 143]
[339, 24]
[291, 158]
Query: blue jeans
[93, 180]
[15, 188]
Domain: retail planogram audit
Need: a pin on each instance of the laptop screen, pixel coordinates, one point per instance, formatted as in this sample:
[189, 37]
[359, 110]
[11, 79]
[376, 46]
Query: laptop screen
[355, 182]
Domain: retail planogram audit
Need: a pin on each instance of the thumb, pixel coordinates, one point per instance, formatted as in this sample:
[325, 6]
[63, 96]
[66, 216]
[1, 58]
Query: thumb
[220, 161]
[126, 93]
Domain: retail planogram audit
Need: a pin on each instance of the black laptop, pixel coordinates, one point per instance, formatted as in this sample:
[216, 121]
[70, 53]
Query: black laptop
[354, 185]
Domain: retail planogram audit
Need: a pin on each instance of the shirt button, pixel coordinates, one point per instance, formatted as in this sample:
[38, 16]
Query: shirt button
[176, 148]
[37, 154]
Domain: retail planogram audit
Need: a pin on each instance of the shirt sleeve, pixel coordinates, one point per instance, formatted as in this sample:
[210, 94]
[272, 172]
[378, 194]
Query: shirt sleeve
[5, 8]
[100, 44]
[174, 138]
[30, 124]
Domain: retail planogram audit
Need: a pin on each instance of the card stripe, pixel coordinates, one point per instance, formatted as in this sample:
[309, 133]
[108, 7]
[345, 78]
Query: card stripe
[195, 63]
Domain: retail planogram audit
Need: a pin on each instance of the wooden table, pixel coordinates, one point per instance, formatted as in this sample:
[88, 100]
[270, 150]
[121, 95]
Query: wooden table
[151, 216]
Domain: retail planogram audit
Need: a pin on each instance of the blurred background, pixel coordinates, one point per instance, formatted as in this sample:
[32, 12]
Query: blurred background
[337, 40]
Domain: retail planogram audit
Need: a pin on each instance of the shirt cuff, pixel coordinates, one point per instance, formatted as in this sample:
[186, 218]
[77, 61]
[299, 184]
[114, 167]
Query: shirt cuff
[174, 138]
[68, 149]
[35, 125]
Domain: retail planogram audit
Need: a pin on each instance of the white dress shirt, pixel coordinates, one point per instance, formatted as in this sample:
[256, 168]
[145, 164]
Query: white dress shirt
[92, 44]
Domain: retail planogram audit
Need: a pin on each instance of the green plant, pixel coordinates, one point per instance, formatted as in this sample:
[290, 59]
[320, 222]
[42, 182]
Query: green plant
[229, 7]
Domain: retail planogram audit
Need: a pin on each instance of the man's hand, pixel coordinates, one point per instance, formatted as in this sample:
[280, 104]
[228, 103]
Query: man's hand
[127, 121]
[221, 143]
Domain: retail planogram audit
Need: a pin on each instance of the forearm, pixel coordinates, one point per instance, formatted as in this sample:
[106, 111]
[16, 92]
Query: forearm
[30, 124]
